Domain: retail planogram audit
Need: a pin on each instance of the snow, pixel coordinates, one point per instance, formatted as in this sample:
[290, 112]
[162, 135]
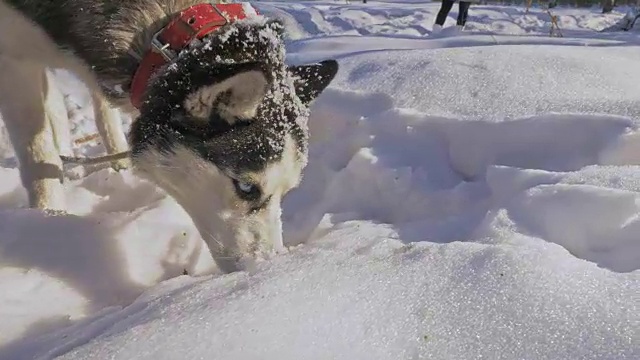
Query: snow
[467, 196]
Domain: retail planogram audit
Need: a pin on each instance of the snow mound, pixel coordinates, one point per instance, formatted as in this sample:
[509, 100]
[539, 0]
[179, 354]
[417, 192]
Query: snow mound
[627, 23]
[438, 178]
[497, 82]
[339, 298]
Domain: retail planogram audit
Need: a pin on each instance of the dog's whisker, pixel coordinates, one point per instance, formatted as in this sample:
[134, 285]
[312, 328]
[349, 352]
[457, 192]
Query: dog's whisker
[215, 239]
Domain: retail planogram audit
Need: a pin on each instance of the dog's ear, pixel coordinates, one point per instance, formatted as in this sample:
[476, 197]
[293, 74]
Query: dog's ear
[234, 96]
[312, 79]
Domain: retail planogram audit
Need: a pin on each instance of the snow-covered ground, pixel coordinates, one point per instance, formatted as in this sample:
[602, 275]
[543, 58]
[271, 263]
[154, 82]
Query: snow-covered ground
[468, 196]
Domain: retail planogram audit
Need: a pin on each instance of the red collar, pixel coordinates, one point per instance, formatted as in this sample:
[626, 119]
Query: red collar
[189, 25]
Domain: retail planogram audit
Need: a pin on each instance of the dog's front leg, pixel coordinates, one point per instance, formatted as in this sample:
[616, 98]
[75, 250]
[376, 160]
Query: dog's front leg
[23, 91]
[58, 116]
[109, 124]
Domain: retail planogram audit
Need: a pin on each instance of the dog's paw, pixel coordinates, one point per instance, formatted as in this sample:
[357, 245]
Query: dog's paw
[119, 165]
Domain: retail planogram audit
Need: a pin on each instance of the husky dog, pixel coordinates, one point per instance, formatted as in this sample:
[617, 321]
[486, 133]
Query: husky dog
[222, 128]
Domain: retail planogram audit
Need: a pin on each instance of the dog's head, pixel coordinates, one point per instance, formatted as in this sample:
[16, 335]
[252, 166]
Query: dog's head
[223, 130]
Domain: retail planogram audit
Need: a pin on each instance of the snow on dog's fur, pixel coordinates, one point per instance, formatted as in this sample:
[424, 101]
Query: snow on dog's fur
[222, 128]
[227, 137]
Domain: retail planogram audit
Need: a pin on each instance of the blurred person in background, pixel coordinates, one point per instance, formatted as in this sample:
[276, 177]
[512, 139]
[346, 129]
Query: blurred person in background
[445, 7]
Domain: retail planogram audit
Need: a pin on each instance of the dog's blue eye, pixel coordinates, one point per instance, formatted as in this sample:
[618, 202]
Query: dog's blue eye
[247, 190]
[245, 187]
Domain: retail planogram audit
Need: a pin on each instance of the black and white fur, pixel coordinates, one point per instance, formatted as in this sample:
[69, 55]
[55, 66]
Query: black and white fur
[222, 128]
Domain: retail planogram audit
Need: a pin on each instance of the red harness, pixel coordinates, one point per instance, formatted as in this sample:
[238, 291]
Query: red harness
[191, 24]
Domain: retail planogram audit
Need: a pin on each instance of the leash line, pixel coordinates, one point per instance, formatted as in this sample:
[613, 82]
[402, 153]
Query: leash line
[95, 160]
